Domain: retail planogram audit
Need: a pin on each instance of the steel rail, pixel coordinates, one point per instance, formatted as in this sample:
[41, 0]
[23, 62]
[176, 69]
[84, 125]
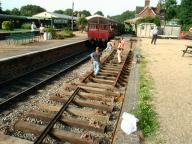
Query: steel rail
[40, 139]
[4, 102]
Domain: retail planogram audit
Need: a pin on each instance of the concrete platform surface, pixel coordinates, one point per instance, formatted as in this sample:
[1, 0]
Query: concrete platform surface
[13, 50]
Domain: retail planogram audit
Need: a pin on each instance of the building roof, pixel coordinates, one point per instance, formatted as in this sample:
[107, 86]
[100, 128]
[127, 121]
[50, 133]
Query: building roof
[50, 15]
[139, 9]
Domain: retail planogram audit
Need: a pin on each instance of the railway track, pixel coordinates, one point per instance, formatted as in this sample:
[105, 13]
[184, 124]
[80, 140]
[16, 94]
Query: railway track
[86, 112]
[18, 87]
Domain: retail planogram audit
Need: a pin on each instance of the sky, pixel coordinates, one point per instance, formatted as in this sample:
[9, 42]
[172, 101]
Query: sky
[108, 7]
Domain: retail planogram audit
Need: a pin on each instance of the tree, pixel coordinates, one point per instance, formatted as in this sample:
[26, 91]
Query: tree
[99, 13]
[82, 22]
[8, 12]
[85, 13]
[170, 9]
[68, 12]
[185, 14]
[15, 11]
[59, 11]
[124, 16]
[0, 8]
[30, 10]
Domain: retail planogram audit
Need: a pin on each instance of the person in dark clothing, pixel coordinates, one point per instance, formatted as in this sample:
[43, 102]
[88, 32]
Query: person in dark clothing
[154, 38]
[95, 58]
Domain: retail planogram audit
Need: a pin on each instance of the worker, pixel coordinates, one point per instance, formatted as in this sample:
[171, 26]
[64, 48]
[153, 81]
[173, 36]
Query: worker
[95, 58]
[109, 45]
[119, 51]
[122, 43]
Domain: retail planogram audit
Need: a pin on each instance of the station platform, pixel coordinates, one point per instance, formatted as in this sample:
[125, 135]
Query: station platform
[8, 51]
[129, 105]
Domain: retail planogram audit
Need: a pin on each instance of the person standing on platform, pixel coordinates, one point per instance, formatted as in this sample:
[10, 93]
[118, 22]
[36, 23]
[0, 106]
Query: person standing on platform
[41, 30]
[95, 58]
[155, 33]
[33, 27]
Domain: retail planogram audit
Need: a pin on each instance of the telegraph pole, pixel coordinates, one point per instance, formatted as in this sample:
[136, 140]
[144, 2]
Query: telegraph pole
[72, 16]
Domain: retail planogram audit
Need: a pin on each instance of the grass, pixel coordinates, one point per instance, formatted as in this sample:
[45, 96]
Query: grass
[148, 122]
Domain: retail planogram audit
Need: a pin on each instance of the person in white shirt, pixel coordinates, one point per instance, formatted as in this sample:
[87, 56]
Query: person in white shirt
[33, 27]
[155, 33]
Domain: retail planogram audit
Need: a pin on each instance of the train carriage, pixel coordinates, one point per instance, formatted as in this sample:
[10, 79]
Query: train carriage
[103, 28]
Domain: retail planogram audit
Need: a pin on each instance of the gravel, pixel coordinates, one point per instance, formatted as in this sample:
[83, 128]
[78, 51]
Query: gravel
[9, 117]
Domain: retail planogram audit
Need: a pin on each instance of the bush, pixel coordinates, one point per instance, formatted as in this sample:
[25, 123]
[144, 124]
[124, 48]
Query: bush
[7, 25]
[26, 26]
[186, 27]
[149, 19]
[64, 34]
[52, 31]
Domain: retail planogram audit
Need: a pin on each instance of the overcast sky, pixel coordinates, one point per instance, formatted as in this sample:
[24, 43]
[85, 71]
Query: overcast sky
[108, 7]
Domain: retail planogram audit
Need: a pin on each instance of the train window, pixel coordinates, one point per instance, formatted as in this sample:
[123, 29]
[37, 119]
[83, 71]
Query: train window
[142, 27]
[152, 27]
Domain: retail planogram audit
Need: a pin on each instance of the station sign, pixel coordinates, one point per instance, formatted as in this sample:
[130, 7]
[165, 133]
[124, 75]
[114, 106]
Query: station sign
[60, 21]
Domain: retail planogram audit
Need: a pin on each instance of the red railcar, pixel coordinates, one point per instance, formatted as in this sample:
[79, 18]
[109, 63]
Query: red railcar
[103, 28]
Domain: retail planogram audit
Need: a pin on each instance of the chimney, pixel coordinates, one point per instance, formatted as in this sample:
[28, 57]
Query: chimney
[147, 3]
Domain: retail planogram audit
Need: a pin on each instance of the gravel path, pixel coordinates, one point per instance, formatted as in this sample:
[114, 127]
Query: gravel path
[172, 74]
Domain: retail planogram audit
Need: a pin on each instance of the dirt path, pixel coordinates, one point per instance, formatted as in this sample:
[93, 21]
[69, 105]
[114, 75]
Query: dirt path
[172, 74]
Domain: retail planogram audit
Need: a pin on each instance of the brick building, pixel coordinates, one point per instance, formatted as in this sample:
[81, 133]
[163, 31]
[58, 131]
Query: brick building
[146, 10]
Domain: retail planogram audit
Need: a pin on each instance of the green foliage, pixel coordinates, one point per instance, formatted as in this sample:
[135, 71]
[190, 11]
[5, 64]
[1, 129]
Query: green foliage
[68, 12]
[0, 8]
[30, 10]
[7, 25]
[124, 16]
[149, 19]
[64, 34]
[171, 9]
[99, 13]
[59, 11]
[15, 11]
[85, 13]
[185, 13]
[82, 22]
[147, 116]
[26, 26]
[186, 27]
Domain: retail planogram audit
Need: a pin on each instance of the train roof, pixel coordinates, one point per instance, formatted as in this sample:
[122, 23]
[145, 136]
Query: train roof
[95, 17]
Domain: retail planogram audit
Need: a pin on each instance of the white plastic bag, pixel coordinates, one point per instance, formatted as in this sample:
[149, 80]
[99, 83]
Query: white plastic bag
[129, 123]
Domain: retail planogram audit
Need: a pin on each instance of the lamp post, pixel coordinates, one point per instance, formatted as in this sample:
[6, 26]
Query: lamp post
[72, 16]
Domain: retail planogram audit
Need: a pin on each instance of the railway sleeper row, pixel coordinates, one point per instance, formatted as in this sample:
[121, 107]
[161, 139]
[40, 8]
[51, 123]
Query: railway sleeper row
[92, 109]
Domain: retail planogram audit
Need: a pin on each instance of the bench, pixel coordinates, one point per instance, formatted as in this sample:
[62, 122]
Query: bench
[22, 37]
[187, 50]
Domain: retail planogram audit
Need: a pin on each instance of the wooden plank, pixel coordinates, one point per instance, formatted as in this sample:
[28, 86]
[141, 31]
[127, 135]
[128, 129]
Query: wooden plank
[106, 77]
[85, 124]
[103, 91]
[92, 114]
[62, 135]
[89, 96]
[109, 71]
[102, 81]
[103, 107]
[6, 139]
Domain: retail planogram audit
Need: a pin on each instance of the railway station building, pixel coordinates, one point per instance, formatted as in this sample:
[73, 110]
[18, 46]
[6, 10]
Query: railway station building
[57, 20]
